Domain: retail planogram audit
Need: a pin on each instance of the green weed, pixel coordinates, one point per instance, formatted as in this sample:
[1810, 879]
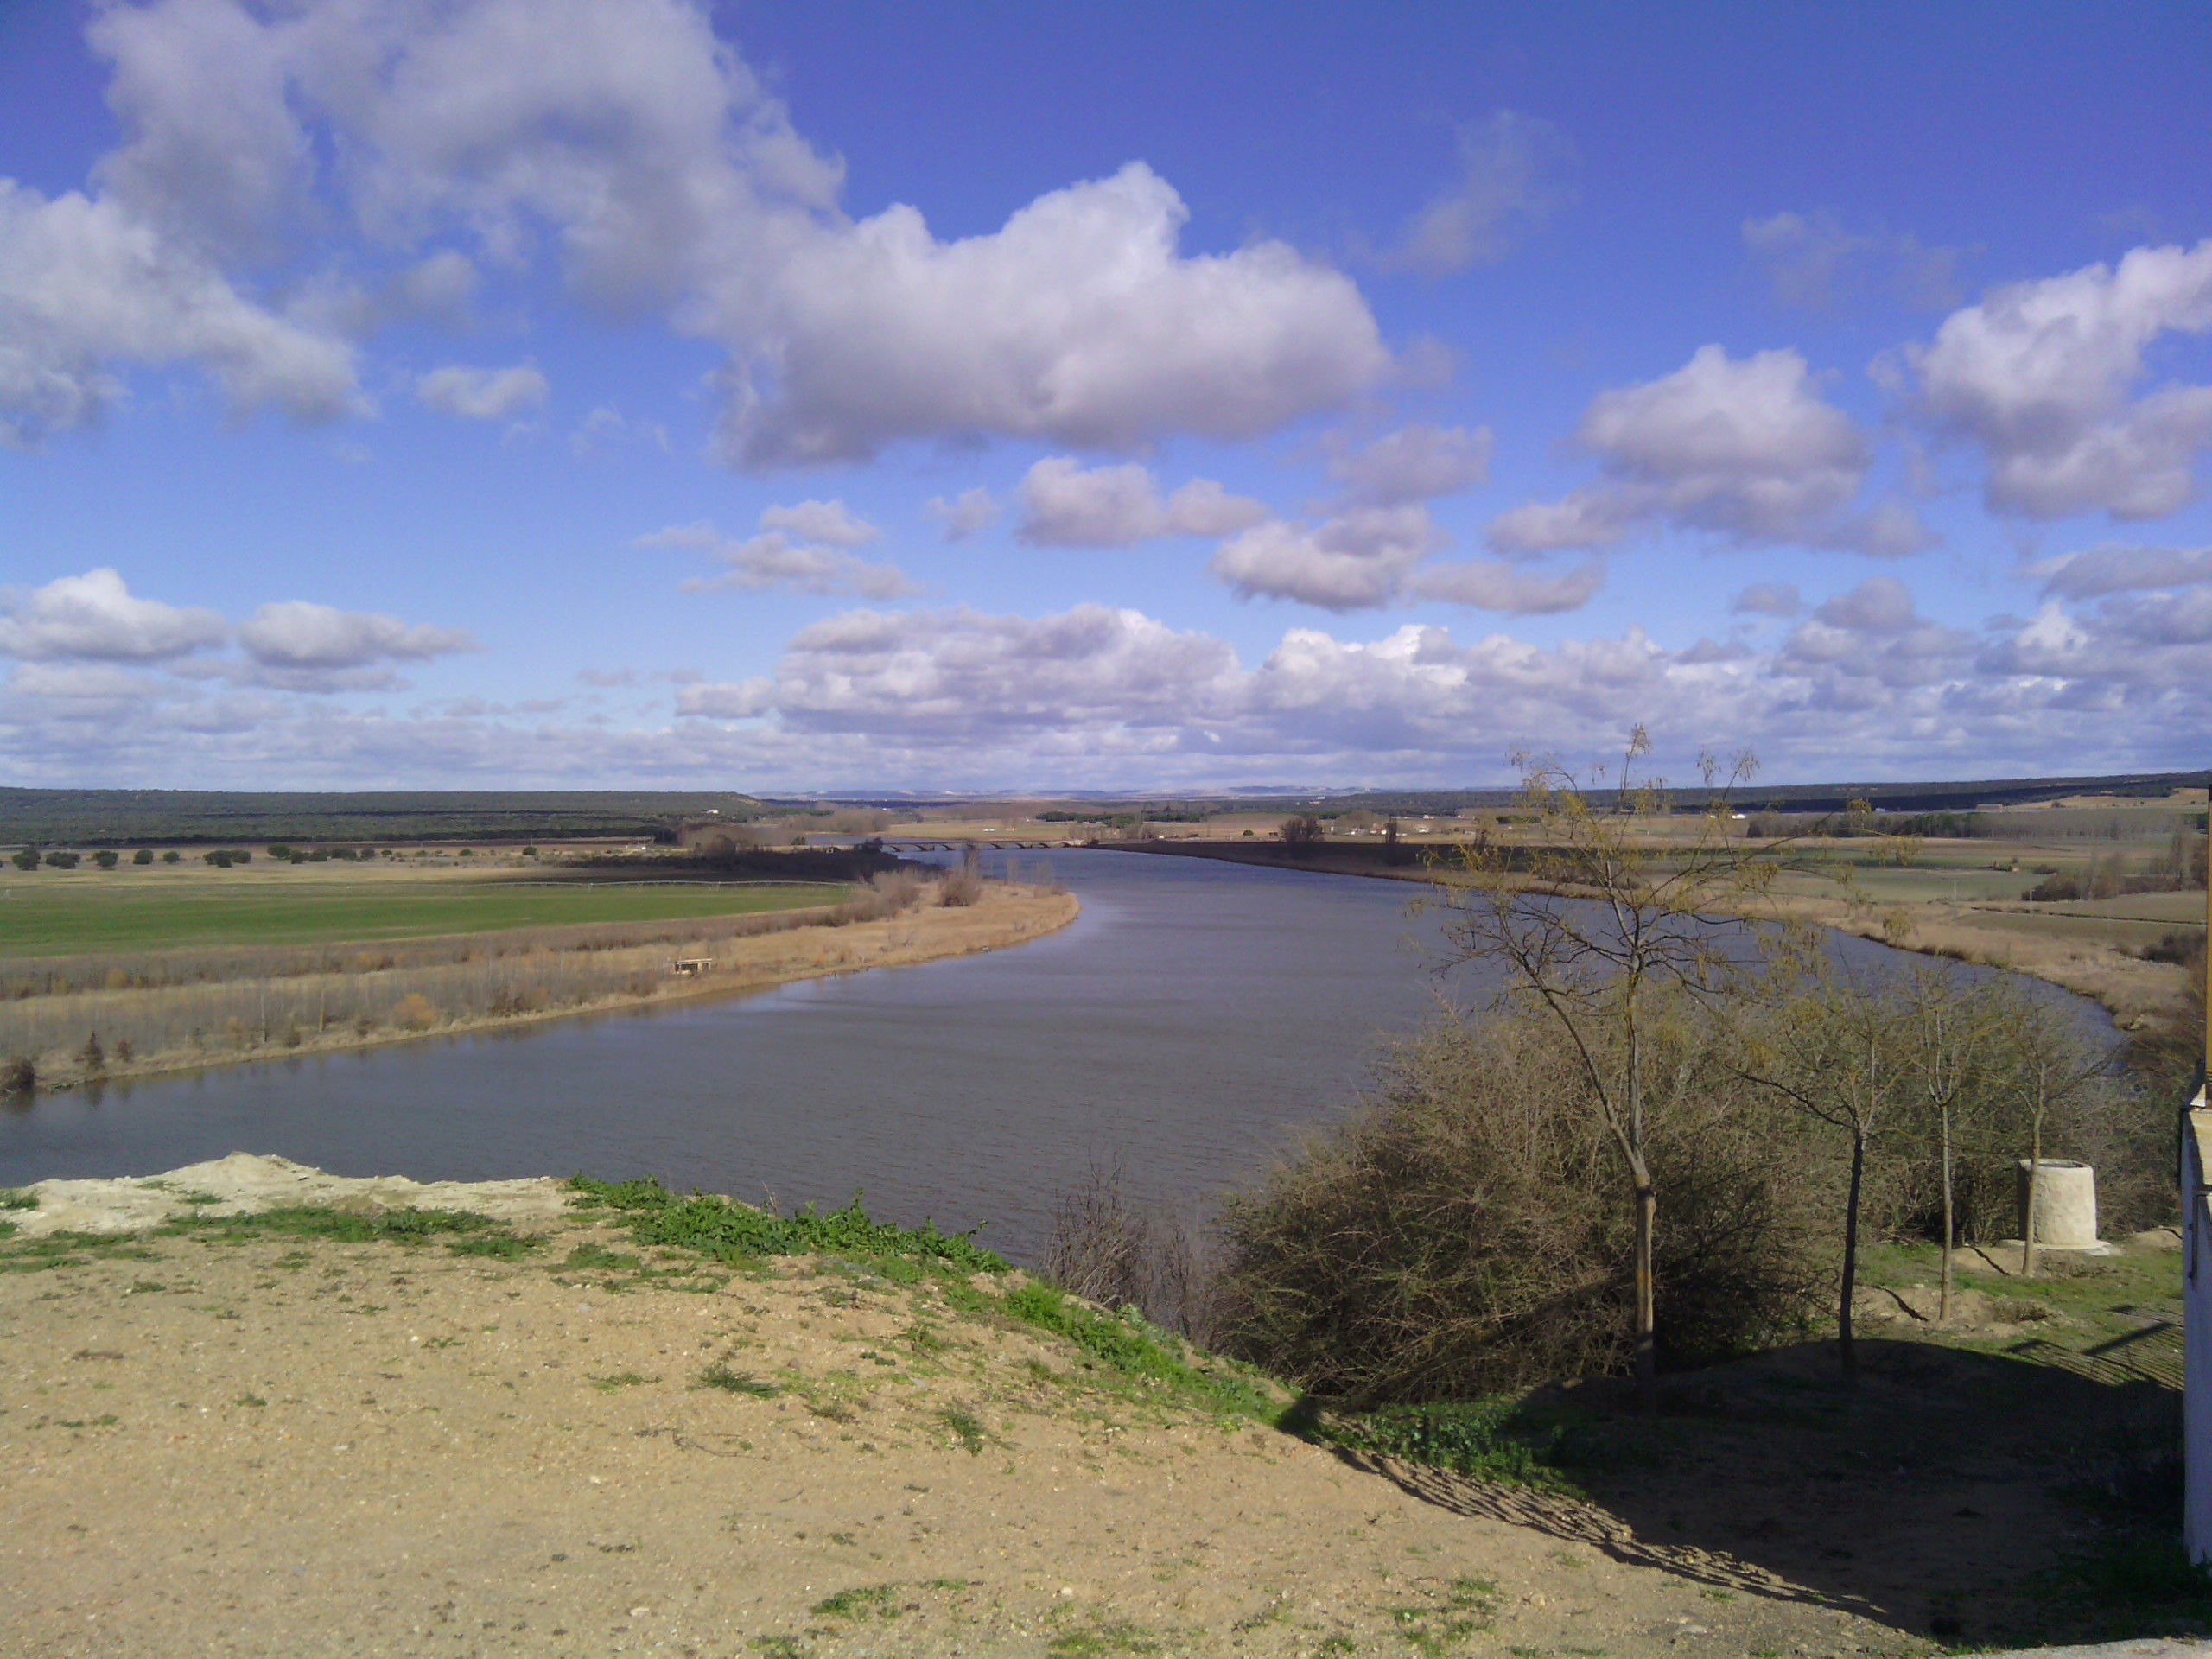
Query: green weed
[1101, 1640]
[730, 1382]
[967, 1428]
[618, 1380]
[1129, 1346]
[13, 1197]
[864, 1601]
[716, 1227]
[1496, 1439]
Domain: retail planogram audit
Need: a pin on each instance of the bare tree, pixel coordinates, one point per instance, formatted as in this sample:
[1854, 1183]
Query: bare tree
[1658, 916]
[2049, 1066]
[1827, 1047]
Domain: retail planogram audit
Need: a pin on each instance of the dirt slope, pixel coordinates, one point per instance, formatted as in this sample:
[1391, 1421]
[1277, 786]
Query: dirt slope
[254, 1442]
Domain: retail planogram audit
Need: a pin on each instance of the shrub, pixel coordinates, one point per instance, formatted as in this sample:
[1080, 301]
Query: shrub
[1467, 1233]
[171, 857]
[19, 1076]
[61, 860]
[106, 859]
[144, 856]
[25, 858]
[415, 1013]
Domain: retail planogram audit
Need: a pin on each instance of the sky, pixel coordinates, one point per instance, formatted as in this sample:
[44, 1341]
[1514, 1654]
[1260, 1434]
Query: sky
[851, 396]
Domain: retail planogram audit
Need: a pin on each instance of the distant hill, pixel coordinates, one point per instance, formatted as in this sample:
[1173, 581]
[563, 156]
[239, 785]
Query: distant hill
[123, 817]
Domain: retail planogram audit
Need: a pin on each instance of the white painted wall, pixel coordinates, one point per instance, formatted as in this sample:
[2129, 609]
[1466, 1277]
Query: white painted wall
[2197, 1298]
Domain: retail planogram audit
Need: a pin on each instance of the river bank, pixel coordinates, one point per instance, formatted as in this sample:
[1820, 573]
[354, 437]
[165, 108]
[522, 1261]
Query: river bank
[2132, 989]
[294, 1016]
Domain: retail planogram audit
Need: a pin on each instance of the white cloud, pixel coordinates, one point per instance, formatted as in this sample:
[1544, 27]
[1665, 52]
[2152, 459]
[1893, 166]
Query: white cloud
[2104, 571]
[2043, 375]
[1815, 262]
[484, 394]
[1746, 449]
[1066, 505]
[743, 700]
[1769, 599]
[637, 144]
[1512, 176]
[781, 559]
[299, 634]
[96, 617]
[963, 515]
[1495, 584]
[1081, 321]
[1416, 463]
[85, 284]
[831, 523]
[1356, 560]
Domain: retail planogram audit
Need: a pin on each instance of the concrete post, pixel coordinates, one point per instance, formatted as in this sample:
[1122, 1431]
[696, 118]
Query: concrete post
[2066, 1205]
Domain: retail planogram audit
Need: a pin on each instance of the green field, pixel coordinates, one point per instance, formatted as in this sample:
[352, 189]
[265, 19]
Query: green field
[52, 914]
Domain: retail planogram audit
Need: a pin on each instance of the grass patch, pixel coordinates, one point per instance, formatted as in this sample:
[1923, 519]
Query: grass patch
[730, 1382]
[619, 1381]
[51, 918]
[1130, 1348]
[1496, 1439]
[1463, 1613]
[1101, 1640]
[863, 1601]
[967, 1427]
[465, 1232]
[716, 1228]
[13, 1197]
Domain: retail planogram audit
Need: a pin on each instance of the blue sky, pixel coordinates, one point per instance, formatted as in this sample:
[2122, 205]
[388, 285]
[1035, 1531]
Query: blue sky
[850, 396]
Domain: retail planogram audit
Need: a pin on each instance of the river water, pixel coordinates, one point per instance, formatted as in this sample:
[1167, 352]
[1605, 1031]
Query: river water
[1195, 1019]
[1186, 1027]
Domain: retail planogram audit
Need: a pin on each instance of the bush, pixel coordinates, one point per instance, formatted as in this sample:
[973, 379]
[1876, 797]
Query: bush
[61, 860]
[106, 859]
[144, 856]
[1468, 1232]
[25, 858]
[415, 1013]
[19, 1076]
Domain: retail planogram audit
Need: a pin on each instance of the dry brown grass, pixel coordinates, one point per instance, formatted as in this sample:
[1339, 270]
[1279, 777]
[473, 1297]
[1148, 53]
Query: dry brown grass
[144, 1030]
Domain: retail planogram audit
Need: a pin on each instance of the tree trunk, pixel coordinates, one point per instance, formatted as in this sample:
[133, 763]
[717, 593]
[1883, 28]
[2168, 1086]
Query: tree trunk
[1950, 1227]
[2035, 1176]
[1647, 1348]
[1846, 1351]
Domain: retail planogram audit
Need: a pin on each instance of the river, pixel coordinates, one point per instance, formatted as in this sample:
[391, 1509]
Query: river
[1186, 1028]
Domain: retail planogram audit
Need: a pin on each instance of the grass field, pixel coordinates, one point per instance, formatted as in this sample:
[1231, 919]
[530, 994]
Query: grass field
[57, 913]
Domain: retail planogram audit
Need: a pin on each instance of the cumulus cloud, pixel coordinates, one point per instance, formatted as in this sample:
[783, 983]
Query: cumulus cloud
[963, 515]
[299, 634]
[641, 148]
[2104, 571]
[1875, 632]
[96, 617]
[85, 284]
[743, 700]
[1081, 321]
[2044, 376]
[805, 550]
[831, 523]
[1746, 449]
[1416, 463]
[484, 394]
[1816, 263]
[1768, 599]
[1356, 560]
[1512, 175]
[1495, 584]
[1065, 505]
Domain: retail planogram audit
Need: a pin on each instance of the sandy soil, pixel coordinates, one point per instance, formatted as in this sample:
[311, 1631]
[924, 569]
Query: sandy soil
[281, 1447]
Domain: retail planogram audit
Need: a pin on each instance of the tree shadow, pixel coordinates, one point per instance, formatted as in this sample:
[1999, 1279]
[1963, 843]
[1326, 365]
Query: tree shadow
[1945, 1492]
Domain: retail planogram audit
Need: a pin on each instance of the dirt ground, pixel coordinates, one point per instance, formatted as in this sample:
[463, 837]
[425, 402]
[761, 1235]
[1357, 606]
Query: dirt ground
[271, 1445]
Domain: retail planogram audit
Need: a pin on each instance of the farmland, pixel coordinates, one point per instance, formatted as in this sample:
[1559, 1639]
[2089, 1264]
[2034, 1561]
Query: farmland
[52, 913]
